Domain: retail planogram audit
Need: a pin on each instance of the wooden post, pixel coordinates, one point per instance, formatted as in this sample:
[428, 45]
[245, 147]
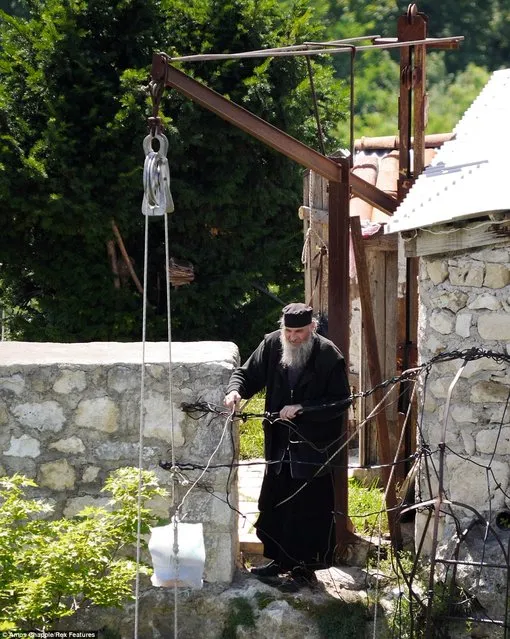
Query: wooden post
[338, 325]
[412, 116]
[411, 26]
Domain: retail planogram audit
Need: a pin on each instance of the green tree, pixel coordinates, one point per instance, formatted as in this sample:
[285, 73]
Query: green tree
[73, 109]
[454, 78]
[70, 148]
[376, 74]
[484, 26]
[49, 568]
[13, 7]
[451, 95]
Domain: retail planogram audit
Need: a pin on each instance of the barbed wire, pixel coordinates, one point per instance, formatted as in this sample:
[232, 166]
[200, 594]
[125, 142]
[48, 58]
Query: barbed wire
[432, 499]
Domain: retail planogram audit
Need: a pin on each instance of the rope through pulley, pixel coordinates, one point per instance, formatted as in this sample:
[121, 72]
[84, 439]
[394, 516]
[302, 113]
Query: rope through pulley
[157, 198]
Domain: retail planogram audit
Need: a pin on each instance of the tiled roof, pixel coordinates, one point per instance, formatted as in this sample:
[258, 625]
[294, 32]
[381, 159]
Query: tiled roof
[380, 167]
[469, 175]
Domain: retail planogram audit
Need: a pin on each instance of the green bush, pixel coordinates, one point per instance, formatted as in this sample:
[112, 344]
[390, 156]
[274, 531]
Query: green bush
[73, 115]
[50, 568]
[340, 619]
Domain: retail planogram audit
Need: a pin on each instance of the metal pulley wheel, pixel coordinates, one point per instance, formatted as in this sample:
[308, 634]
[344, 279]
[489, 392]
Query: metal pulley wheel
[157, 199]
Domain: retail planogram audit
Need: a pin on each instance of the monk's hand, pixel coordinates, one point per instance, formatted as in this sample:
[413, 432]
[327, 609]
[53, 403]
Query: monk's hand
[290, 411]
[231, 400]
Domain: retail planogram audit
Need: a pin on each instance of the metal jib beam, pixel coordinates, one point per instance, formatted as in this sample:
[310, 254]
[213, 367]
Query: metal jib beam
[163, 71]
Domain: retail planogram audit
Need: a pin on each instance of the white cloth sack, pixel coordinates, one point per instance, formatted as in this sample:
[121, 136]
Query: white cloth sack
[184, 568]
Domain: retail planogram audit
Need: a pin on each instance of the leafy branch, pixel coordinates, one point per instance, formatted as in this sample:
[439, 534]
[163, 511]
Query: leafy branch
[51, 568]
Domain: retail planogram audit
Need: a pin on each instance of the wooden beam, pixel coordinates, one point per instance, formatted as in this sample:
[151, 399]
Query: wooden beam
[447, 238]
[321, 216]
[381, 242]
[392, 142]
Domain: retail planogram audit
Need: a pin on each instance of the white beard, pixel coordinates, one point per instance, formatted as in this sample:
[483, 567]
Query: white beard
[295, 355]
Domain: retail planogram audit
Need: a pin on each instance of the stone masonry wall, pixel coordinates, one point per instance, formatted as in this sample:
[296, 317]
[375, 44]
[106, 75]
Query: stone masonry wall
[465, 302]
[70, 414]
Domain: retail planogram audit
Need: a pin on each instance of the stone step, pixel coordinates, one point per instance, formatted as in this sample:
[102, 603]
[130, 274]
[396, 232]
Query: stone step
[250, 544]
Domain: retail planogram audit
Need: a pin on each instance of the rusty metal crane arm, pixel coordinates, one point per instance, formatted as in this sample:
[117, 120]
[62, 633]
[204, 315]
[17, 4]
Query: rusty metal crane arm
[162, 71]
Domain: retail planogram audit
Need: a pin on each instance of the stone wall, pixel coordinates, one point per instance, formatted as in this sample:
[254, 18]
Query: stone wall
[465, 302]
[70, 414]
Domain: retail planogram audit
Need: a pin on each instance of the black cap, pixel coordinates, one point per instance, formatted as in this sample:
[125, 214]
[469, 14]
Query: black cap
[297, 315]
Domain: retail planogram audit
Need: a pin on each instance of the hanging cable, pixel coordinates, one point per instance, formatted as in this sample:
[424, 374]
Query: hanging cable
[140, 432]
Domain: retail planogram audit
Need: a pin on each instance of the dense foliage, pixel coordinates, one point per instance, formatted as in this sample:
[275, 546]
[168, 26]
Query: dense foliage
[73, 108]
[51, 568]
[73, 112]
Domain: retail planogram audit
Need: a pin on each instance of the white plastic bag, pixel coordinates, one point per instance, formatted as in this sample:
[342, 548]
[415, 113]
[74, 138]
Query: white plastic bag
[184, 568]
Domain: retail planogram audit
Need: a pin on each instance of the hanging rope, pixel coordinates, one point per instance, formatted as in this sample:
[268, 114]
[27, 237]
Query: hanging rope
[320, 132]
[157, 200]
[140, 431]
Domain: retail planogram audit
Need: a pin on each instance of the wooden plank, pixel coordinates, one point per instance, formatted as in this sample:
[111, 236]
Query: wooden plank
[375, 265]
[338, 243]
[411, 27]
[445, 239]
[315, 228]
[383, 278]
[420, 103]
[381, 242]
[404, 114]
[390, 359]
[390, 320]
[307, 254]
[318, 215]
[369, 329]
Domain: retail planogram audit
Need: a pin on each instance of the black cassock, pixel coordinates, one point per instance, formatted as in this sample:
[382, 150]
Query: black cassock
[301, 530]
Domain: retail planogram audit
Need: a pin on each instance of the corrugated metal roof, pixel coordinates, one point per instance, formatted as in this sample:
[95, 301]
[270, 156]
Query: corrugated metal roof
[469, 176]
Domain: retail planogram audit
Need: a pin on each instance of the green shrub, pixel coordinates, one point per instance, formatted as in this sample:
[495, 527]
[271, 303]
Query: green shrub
[50, 568]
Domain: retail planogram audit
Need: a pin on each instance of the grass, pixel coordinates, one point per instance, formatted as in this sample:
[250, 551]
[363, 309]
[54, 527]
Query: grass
[250, 431]
[365, 505]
